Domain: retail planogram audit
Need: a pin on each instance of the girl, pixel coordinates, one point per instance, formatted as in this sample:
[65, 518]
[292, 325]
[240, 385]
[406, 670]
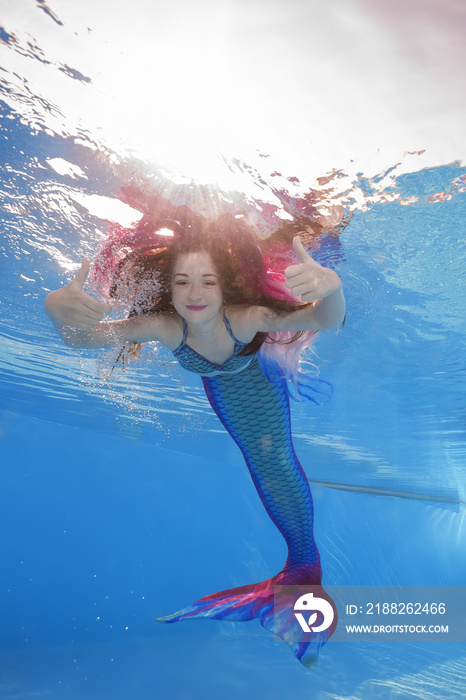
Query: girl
[205, 294]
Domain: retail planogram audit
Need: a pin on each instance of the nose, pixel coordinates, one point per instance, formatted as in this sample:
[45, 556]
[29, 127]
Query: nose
[195, 292]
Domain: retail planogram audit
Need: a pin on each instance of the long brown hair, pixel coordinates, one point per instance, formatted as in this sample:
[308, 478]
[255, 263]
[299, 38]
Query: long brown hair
[144, 276]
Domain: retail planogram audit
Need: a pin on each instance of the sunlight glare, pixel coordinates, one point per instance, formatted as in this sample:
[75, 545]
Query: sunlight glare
[175, 85]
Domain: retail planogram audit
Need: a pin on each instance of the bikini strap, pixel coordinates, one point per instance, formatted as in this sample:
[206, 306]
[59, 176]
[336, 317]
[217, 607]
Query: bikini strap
[185, 332]
[228, 327]
[227, 324]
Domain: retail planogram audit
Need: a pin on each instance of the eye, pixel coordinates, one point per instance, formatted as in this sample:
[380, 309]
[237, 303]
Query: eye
[210, 283]
[181, 283]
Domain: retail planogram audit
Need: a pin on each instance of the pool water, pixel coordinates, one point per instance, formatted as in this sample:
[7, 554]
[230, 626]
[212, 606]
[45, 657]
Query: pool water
[122, 499]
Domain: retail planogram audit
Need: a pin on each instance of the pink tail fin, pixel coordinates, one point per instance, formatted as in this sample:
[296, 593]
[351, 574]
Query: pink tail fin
[275, 613]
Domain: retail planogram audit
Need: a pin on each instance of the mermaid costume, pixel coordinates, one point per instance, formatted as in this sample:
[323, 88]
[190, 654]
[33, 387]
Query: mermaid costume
[253, 406]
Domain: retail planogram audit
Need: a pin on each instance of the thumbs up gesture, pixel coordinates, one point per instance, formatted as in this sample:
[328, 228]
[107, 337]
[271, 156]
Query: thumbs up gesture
[308, 279]
[73, 306]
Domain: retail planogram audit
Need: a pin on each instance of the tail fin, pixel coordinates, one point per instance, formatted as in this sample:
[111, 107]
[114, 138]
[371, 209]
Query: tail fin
[276, 612]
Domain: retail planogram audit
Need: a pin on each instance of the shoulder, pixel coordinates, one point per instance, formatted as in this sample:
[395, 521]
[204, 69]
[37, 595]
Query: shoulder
[246, 321]
[164, 328]
[168, 327]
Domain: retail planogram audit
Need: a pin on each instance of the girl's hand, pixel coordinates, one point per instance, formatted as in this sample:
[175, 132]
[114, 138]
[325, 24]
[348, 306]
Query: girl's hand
[308, 279]
[74, 307]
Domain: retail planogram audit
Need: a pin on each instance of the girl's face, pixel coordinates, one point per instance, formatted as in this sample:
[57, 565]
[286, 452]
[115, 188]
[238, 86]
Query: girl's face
[196, 291]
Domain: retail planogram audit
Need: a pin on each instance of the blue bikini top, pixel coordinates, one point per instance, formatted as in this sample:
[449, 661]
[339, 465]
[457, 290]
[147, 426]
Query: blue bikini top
[191, 360]
[299, 385]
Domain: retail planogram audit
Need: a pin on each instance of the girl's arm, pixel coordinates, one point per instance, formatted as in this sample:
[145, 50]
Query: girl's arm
[319, 288]
[77, 318]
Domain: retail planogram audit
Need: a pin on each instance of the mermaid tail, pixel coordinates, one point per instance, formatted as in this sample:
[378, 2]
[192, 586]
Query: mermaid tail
[255, 411]
[259, 601]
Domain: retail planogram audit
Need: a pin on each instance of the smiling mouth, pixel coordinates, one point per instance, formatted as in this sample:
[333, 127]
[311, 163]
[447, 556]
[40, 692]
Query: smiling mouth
[196, 308]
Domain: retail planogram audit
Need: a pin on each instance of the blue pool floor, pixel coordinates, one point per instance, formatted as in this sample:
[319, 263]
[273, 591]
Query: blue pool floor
[105, 534]
[183, 666]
